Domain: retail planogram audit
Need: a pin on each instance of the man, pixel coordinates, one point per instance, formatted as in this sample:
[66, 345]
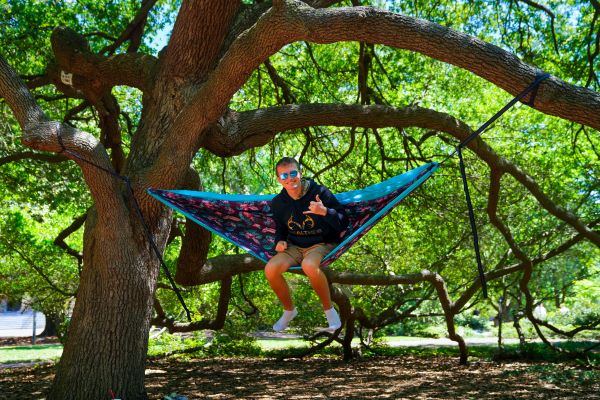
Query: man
[309, 223]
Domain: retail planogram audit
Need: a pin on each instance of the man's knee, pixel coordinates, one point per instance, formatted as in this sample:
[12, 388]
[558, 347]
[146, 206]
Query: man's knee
[311, 267]
[273, 269]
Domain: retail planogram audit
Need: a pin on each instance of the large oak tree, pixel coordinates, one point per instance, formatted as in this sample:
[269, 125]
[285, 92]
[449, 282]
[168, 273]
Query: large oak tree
[214, 47]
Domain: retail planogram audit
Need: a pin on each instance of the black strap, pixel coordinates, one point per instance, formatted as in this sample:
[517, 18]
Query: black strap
[533, 89]
[473, 224]
[136, 205]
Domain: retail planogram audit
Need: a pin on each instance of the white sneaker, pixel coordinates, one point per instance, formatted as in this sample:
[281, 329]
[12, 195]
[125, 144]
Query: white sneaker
[333, 319]
[285, 320]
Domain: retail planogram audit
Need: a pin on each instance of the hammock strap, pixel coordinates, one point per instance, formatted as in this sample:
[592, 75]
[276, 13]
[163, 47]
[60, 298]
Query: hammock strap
[138, 210]
[473, 224]
[533, 89]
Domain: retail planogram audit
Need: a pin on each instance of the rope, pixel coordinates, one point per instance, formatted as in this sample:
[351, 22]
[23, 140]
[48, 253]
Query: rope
[473, 224]
[138, 210]
[533, 89]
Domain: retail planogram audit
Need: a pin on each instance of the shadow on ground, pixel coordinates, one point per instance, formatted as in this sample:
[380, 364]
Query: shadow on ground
[406, 377]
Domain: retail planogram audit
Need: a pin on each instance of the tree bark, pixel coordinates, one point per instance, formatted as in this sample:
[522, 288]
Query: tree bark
[108, 337]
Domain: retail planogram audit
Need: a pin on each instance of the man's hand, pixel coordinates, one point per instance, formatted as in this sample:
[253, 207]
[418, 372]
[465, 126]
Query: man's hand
[281, 246]
[316, 207]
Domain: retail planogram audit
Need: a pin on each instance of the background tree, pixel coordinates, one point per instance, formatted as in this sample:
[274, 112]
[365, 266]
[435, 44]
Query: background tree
[236, 74]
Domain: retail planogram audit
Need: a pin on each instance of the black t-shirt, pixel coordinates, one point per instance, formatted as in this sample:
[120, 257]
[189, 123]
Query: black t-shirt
[306, 230]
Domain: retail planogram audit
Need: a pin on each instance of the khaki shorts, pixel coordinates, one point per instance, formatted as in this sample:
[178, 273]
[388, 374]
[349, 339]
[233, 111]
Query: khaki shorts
[299, 253]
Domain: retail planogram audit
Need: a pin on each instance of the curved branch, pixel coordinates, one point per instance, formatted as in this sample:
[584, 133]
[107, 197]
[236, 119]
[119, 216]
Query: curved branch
[549, 205]
[42, 134]
[217, 323]
[291, 20]
[72, 113]
[492, 208]
[134, 30]
[239, 131]
[550, 14]
[425, 275]
[471, 290]
[74, 56]
[60, 239]
[18, 97]
[38, 81]
[242, 130]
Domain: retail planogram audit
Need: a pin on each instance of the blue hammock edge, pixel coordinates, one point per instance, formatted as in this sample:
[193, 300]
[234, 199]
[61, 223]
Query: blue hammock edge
[432, 168]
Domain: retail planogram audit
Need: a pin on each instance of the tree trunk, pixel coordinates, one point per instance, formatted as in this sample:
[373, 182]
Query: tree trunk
[108, 337]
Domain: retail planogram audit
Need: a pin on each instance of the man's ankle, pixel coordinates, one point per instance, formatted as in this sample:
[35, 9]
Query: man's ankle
[333, 319]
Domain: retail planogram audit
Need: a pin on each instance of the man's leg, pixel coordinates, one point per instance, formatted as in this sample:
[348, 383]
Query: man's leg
[311, 266]
[274, 272]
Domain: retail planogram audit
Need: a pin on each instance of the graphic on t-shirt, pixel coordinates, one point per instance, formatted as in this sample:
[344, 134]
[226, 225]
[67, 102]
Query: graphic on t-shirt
[308, 223]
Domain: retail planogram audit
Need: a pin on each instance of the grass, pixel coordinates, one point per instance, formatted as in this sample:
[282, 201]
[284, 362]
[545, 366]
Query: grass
[156, 347]
[280, 344]
[42, 352]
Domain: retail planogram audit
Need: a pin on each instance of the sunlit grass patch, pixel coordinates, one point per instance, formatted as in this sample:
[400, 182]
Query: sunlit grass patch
[42, 352]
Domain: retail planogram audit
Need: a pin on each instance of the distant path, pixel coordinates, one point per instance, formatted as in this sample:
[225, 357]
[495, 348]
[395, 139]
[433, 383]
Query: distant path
[407, 342]
[447, 342]
[21, 324]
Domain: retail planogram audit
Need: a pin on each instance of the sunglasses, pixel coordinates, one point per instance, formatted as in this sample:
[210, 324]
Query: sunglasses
[291, 174]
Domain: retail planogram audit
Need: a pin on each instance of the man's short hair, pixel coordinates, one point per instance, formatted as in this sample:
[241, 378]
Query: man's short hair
[287, 161]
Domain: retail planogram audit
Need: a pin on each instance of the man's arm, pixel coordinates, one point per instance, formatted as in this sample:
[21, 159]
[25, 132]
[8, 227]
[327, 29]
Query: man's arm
[336, 215]
[281, 230]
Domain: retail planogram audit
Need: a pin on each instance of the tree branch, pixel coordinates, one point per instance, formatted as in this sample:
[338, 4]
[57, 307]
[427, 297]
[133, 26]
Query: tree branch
[289, 21]
[217, 323]
[198, 35]
[550, 14]
[134, 30]
[93, 71]
[19, 98]
[497, 273]
[42, 134]
[240, 131]
[60, 239]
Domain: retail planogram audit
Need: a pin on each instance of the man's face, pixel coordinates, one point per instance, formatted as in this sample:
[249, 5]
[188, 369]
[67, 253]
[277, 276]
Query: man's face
[288, 171]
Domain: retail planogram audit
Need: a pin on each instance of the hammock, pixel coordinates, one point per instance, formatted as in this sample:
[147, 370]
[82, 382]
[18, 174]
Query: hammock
[247, 221]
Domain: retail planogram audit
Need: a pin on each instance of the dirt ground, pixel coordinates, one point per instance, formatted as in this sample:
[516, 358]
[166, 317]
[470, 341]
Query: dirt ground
[407, 377]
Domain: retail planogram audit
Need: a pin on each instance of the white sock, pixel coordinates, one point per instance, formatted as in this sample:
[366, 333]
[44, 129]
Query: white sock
[333, 319]
[285, 320]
